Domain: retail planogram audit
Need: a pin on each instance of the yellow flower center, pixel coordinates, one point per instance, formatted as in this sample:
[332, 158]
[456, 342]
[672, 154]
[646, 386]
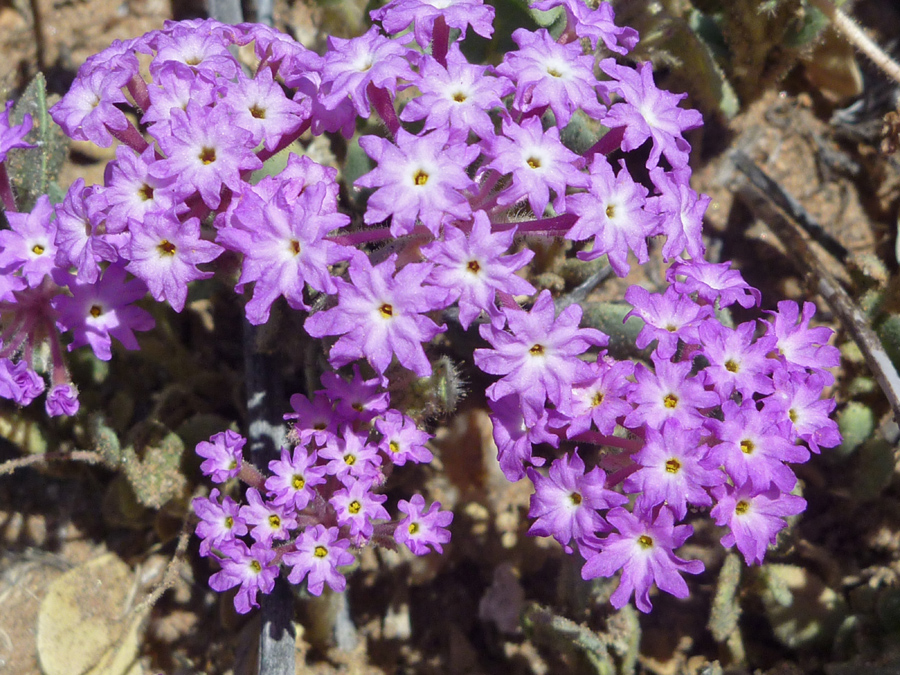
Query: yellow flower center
[673, 466]
[670, 401]
[298, 482]
[742, 507]
[166, 247]
[354, 507]
[145, 193]
[645, 542]
[207, 155]
[320, 551]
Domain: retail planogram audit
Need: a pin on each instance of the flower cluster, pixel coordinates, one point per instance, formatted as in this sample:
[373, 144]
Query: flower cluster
[320, 498]
[469, 158]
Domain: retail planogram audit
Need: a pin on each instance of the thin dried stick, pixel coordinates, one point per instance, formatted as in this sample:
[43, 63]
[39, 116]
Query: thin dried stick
[759, 193]
[88, 456]
[858, 38]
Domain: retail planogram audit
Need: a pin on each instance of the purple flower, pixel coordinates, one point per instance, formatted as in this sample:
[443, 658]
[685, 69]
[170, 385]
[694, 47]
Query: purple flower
[249, 568]
[668, 393]
[13, 135]
[202, 48]
[97, 313]
[594, 24]
[681, 212]
[80, 237]
[601, 397]
[352, 65]
[422, 14]
[668, 318]
[88, 110]
[206, 151]
[458, 96]
[644, 550]
[28, 247]
[314, 420]
[284, 247]
[19, 383]
[566, 503]
[380, 315]
[671, 470]
[261, 108]
[402, 440]
[538, 162]
[515, 439]
[474, 268]
[357, 506]
[753, 517]
[293, 478]
[174, 86]
[612, 212]
[267, 521]
[712, 282]
[649, 112]
[550, 74]
[421, 529]
[319, 552]
[798, 399]
[223, 453]
[754, 447]
[419, 178]
[539, 358]
[131, 192]
[62, 399]
[736, 361]
[164, 254]
[799, 345]
[356, 399]
[351, 458]
[219, 523]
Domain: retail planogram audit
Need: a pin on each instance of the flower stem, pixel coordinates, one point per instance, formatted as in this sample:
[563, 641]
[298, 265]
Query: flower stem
[440, 40]
[6, 193]
[384, 105]
[857, 37]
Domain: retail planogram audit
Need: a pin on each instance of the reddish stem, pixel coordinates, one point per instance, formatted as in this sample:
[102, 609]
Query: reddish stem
[252, 476]
[131, 137]
[612, 140]
[596, 438]
[440, 41]
[384, 105]
[137, 87]
[6, 193]
[551, 226]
